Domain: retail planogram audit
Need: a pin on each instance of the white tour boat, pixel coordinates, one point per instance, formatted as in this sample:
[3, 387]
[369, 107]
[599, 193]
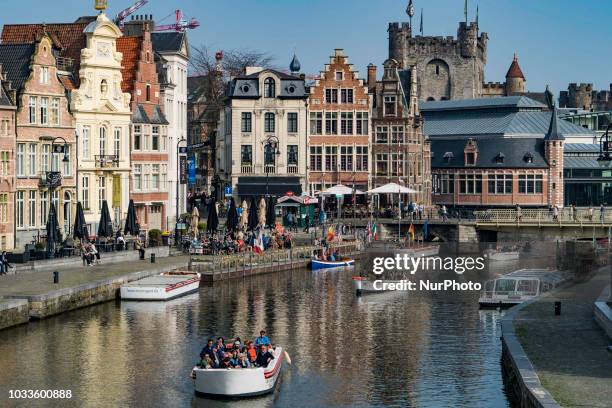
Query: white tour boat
[165, 286]
[519, 286]
[502, 256]
[364, 285]
[238, 382]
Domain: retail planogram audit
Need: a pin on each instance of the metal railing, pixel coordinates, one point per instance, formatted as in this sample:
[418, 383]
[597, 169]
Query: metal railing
[246, 169]
[270, 169]
[106, 160]
[538, 217]
[292, 169]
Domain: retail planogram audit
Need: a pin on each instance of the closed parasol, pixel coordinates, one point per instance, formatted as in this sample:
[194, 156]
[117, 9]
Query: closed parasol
[80, 227]
[271, 212]
[252, 220]
[232, 216]
[262, 212]
[195, 220]
[212, 223]
[131, 223]
[105, 226]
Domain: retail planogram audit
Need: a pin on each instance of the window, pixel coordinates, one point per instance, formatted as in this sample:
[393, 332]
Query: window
[316, 158]
[164, 130]
[137, 177]
[346, 158]
[155, 176]
[55, 200]
[246, 155]
[20, 209]
[55, 112]
[362, 123]
[346, 95]
[382, 134]
[137, 137]
[292, 155]
[292, 122]
[44, 207]
[446, 183]
[331, 123]
[67, 168]
[55, 161]
[3, 208]
[269, 88]
[32, 208]
[382, 164]
[44, 75]
[86, 142]
[530, 184]
[396, 165]
[117, 143]
[101, 191]
[164, 175]
[20, 159]
[145, 177]
[155, 138]
[4, 127]
[339, 75]
[397, 134]
[389, 105]
[44, 105]
[269, 122]
[45, 157]
[331, 158]
[331, 95]
[102, 141]
[247, 122]
[470, 159]
[361, 156]
[4, 163]
[32, 109]
[500, 183]
[85, 192]
[148, 92]
[32, 159]
[269, 157]
[316, 123]
[470, 184]
[346, 123]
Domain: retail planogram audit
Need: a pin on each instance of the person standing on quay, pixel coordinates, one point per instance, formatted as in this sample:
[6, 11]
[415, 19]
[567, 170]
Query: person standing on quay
[602, 213]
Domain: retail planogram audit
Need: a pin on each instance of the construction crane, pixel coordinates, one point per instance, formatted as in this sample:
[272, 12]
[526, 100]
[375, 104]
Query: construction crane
[180, 25]
[119, 20]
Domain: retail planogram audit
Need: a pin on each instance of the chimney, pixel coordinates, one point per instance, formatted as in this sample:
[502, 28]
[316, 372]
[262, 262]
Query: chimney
[371, 77]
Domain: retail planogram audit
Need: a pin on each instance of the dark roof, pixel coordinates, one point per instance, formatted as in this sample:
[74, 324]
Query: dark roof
[281, 75]
[515, 70]
[580, 148]
[247, 87]
[158, 117]
[139, 115]
[553, 129]
[295, 65]
[5, 100]
[514, 102]
[513, 150]
[167, 42]
[15, 60]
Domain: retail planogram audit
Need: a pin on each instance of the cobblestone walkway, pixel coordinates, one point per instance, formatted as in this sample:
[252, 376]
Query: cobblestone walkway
[569, 351]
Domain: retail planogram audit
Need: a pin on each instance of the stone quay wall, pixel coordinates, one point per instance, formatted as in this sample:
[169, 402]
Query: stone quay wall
[13, 312]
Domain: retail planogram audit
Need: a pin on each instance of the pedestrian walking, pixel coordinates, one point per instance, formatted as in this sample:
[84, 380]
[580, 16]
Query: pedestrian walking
[574, 212]
[519, 214]
[590, 213]
[602, 213]
[444, 213]
[4, 263]
[555, 213]
[307, 223]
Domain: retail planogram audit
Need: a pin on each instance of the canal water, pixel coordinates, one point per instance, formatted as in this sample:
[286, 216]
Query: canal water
[416, 349]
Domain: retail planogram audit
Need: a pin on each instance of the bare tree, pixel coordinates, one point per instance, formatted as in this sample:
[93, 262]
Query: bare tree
[203, 63]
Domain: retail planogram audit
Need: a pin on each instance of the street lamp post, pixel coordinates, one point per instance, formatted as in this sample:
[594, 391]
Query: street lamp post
[53, 177]
[179, 150]
[270, 143]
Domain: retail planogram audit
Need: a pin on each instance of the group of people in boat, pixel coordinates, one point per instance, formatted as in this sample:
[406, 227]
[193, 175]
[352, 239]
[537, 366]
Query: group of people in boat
[327, 254]
[236, 354]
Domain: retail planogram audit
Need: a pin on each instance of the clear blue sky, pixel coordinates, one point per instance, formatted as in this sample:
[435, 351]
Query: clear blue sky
[558, 41]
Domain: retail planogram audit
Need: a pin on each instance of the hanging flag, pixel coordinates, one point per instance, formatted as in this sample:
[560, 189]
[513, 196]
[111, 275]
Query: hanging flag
[411, 232]
[410, 9]
[258, 246]
[421, 29]
[374, 232]
[369, 232]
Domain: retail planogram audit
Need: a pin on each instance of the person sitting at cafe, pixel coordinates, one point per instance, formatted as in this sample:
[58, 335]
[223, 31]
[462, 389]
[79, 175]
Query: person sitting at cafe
[120, 241]
[139, 247]
[262, 339]
[87, 254]
[95, 253]
[264, 357]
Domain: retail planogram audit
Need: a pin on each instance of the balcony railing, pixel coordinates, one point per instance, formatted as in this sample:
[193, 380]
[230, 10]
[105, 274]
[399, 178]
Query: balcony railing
[246, 169]
[106, 161]
[270, 169]
[292, 169]
[50, 179]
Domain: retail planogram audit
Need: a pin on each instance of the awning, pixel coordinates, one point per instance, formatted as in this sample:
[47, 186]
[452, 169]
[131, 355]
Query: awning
[276, 186]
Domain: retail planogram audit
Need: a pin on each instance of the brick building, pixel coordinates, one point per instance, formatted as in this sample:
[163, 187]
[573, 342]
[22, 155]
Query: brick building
[43, 173]
[400, 152]
[8, 108]
[497, 152]
[149, 187]
[339, 132]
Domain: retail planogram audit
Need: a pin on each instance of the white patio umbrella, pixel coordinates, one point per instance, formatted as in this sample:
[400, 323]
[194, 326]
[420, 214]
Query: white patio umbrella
[340, 189]
[391, 188]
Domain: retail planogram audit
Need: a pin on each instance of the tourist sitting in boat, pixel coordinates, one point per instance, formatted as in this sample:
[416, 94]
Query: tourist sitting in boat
[264, 357]
[207, 362]
[226, 362]
[243, 362]
[251, 351]
[221, 344]
[208, 349]
[235, 358]
[262, 340]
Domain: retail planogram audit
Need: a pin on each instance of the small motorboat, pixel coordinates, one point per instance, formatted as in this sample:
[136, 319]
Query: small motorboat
[238, 382]
[365, 286]
[502, 256]
[317, 264]
[165, 286]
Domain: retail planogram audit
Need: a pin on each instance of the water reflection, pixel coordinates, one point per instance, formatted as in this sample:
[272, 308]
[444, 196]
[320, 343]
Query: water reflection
[392, 349]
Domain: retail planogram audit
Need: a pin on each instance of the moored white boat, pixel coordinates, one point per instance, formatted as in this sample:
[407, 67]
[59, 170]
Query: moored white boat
[316, 264]
[166, 286]
[500, 256]
[364, 286]
[238, 382]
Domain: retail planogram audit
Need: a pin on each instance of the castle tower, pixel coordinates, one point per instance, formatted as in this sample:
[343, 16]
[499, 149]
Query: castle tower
[554, 155]
[515, 80]
[399, 34]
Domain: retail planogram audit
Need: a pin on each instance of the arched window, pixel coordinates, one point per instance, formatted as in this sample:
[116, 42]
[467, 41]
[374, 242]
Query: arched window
[269, 122]
[269, 88]
[103, 88]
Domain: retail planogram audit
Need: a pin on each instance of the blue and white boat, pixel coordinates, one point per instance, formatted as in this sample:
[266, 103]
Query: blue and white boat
[317, 264]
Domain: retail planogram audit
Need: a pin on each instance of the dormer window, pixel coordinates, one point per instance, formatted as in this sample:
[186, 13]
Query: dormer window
[245, 88]
[499, 159]
[470, 153]
[470, 159]
[528, 158]
[291, 88]
[269, 88]
[389, 105]
[339, 76]
[448, 157]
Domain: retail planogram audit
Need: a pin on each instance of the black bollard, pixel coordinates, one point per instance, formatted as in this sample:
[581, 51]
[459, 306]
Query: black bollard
[557, 308]
[56, 277]
[152, 258]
